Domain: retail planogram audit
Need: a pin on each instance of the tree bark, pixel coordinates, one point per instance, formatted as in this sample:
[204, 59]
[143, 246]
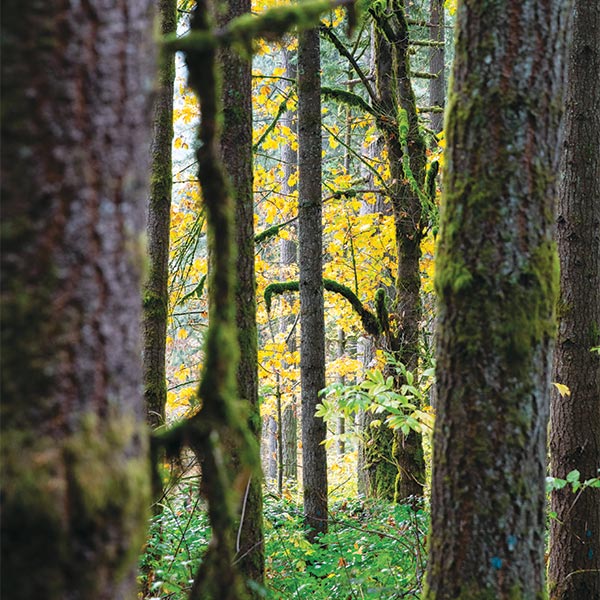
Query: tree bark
[574, 569]
[497, 282]
[156, 294]
[289, 260]
[312, 318]
[437, 60]
[75, 473]
[236, 152]
[396, 94]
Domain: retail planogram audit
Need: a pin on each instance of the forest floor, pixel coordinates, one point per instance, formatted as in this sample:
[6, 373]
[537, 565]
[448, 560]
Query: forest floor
[372, 550]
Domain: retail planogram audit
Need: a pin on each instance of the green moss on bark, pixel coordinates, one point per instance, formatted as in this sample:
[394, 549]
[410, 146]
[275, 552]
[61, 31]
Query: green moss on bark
[89, 496]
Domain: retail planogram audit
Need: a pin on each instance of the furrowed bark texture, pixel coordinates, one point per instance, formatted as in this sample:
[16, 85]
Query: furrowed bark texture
[76, 82]
[312, 319]
[156, 295]
[437, 86]
[236, 152]
[497, 281]
[574, 569]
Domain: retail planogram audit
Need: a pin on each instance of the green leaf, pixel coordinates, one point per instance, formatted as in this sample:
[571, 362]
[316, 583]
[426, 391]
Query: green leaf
[573, 476]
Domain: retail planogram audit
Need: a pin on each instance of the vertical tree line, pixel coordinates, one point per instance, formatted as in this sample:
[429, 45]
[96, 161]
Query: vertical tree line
[497, 282]
[574, 569]
[310, 258]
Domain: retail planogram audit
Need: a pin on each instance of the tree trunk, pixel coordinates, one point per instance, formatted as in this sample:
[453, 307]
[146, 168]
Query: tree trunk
[156, 294]
[236, 152]
[312, 319]
[574, 570]
[289, 260]
[437, 60]
[289, 434]
[497, 281]
[396, 95]
[75, 476]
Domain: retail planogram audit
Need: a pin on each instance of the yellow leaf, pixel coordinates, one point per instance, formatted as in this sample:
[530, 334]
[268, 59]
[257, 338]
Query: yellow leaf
[563, 389]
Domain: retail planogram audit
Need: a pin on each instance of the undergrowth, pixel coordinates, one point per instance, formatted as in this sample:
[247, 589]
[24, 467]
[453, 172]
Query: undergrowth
[372, 550]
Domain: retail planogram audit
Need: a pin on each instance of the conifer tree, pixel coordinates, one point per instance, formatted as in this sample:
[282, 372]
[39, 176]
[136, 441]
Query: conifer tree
[497, 281]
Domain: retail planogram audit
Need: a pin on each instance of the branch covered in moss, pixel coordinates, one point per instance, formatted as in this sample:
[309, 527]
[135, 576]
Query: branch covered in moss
[273, 24]
[280, 110]
[197, 291]
[348, 98]
[368, 319]
[430, 179]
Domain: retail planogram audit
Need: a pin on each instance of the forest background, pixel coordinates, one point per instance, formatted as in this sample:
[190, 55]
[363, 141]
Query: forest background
[342, 385]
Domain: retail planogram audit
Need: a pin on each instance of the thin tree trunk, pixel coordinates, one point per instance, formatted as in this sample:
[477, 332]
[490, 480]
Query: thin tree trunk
[574, 570]
[437, 59]
[156, 295]
[75, 138]
[289, 258]
[290, 444]
[497, 281]
[341, 421]
[312, 319]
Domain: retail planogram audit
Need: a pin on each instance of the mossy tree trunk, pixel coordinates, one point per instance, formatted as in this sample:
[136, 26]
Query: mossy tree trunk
[402, 338]
[236, 153]
[574, 569]
[497, 281]
[156, 295]
[312, 318]
[75, 128]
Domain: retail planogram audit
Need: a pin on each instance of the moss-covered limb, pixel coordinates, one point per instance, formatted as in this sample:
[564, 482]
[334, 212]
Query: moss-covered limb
[368, 319]
[281, 109]
[279, 288]
[197, 291]
[272, 231]
[240, 32]
[430, 176]
[218, 419]
[349, 99]
[431, 109]
[343, 51]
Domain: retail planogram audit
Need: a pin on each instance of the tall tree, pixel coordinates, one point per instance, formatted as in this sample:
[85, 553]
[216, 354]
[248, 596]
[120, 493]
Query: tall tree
[75, 477]
[574, 570]
[497, 281]
[312, 318]
[156, 294]
[236, 153]
[407, 160]
[288, 468]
